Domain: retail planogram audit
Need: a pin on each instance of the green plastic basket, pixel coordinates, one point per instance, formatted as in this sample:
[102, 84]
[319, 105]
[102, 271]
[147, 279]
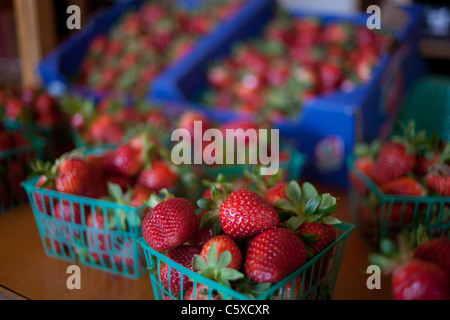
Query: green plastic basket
[14, 168]
[326, 264]
[428, 104]
[378, 216]
[111, 246]
[292, 167]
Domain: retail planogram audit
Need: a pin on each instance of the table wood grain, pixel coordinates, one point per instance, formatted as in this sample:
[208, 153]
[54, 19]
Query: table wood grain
[26, 272]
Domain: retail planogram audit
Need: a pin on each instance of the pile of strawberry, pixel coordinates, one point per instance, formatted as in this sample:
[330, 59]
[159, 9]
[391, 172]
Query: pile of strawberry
[126, 175]
[294, 60]
[412, 165]
[15, 154]
[246, 237]
[112, 119]
[145, 42]
[31, 105]
[419, 266]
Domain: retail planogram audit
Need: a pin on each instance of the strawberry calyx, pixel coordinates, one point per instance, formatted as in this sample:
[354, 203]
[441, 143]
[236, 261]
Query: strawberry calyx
[156, 199]
[46, 169]
[305, 204]
[215, 267]
[261, 184]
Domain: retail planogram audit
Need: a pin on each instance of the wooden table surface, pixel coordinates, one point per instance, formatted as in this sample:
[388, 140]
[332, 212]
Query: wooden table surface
[26, 272]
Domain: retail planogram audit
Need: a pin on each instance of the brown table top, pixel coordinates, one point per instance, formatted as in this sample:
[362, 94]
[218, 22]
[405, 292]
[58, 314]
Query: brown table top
[26, 272]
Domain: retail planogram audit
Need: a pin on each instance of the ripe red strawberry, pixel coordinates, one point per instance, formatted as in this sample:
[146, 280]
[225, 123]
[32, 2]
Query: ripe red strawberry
[424, 164]
[105, 129]
[224, 243]
[126, 161]
[420, 280]
[158, 176]
[273, 255]
[78, 177]
[140, 195]
[393, 161]
[365, 166]
[170, 224]
[183, 255]
[14, 108]
[326, 235]
[405, 186]
[438, 180]
[202, 235]
[245, 214]
[435, 251]
[276, 193]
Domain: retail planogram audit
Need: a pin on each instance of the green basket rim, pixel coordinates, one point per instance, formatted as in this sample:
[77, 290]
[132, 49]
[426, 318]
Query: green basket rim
[344, 226]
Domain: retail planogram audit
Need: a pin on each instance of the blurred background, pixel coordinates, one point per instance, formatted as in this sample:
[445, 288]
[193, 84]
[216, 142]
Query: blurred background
[434, 45]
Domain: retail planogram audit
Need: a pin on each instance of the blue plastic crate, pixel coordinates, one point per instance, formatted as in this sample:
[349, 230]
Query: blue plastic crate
[59, 66]
[328, 127]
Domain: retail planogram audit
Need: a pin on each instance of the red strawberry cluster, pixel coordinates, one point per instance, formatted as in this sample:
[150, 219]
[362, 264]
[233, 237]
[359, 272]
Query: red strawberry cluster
[411, 165]
[145, 42]
[110, 120]
[241, 238]
[127, 175]
[296, 59]
[32, 105]
[15, 152]
[419, 266]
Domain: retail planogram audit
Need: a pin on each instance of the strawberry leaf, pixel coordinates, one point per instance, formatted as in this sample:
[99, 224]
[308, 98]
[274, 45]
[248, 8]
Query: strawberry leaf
[295, 222]
[294, 194]
[331, 220]
[232, 274]
[309, 192]
[309, 238]
[312, 205]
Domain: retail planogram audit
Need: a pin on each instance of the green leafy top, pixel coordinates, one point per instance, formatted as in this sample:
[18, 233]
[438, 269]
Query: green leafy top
[305, 204]
[215, 267]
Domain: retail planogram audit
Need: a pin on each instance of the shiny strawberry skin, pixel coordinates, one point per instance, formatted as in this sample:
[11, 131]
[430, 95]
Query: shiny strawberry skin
[159, 176]
[245, 214]
[224, 243]
[276, 193]
[170, 224]
[420, 280]
[326, 234]
[183, 255]
[392, 162]
[273, 255]
[436, 251]
[405, 186]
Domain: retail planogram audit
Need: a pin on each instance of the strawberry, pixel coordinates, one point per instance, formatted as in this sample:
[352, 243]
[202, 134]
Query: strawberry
[400, 213]
[420, 280]
[245, 214]
[436, 251]
[276, 193]
[140, 195]
[406, 186]
[78, 177]
[171, 278]
[202, 235]
[273, 255]
[158, 176]
[325, 235]
[14, 108]
[46, 104]
[224, 243]
[105, 129]
[169, 224]
[393, 161]
[126, 161]
[365, 166]
[438, 179]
